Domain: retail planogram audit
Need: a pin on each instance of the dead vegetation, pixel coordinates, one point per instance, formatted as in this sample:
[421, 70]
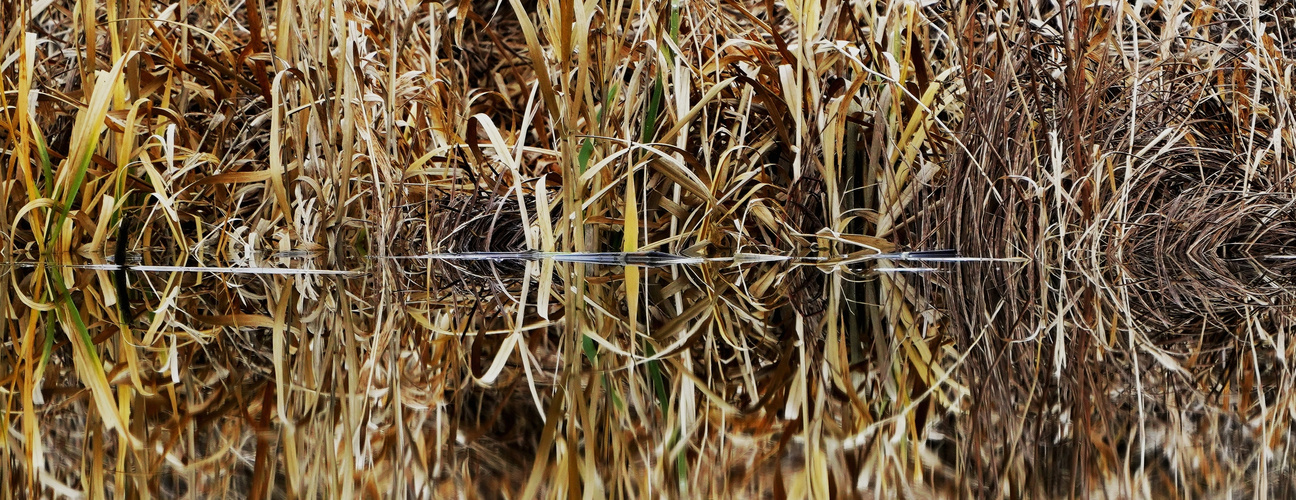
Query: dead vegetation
[1140, 162]
[1122, 171]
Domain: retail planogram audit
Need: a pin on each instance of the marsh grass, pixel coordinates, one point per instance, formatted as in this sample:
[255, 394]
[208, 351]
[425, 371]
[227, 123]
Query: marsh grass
[1144, 169]
[1113, 182]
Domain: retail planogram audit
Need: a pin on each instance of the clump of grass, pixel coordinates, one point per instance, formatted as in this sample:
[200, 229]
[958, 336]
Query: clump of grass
[339, 136]
[1118, 153]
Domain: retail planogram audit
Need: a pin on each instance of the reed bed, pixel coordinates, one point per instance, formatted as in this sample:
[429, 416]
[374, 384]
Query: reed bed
[1137, 156]
[1114, 178]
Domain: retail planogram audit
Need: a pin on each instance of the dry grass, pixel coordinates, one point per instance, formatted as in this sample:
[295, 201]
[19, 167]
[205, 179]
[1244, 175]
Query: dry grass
[1124, 172]
[1140, 162]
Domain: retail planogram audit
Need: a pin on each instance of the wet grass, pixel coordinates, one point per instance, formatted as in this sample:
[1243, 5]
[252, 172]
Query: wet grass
[645, 249]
